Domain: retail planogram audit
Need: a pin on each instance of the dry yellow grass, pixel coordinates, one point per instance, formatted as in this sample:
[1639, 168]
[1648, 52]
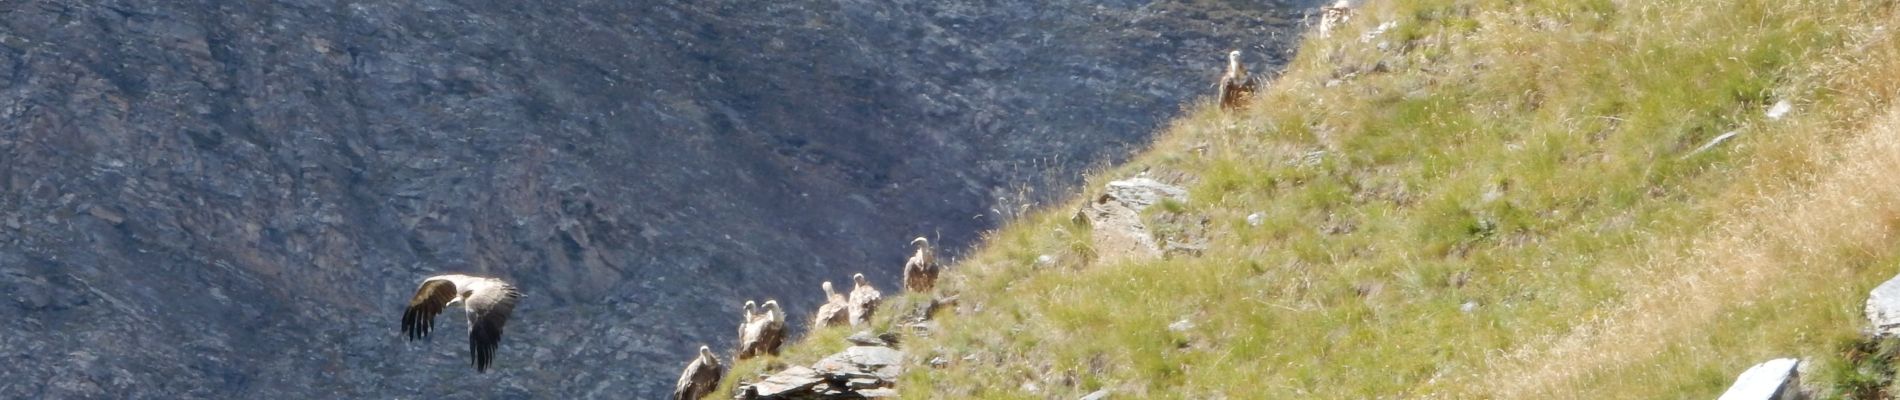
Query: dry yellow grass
[1787, 240]
[1796, 242]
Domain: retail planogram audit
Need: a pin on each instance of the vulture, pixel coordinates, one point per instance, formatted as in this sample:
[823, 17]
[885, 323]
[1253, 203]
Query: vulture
[1235, 85]
[1332, 17]
[762, 334]
[700, 378]
[486, 301]
[920, 272]
[773, 335]
[863, 299]
[833, 312]
[751, 313]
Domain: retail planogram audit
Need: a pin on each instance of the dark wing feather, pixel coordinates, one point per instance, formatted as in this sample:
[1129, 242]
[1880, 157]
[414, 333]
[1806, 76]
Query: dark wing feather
[683, 389]
[772, 338]
[488, 312]
[699, 379]
[419, 319]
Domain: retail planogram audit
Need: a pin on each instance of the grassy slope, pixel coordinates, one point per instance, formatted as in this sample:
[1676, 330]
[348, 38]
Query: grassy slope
[1529, 157]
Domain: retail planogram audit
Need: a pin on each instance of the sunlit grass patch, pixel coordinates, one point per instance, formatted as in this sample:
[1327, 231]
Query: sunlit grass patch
[1487, 199]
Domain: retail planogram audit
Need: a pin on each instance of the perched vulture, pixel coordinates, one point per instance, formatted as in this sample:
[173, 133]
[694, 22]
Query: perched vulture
[920, 272]
[1236, 85]
[833, 312]
[745, 325]
[772, 337]
[762, 334]
[1332, 17]
[864, 300]
[700, 378]
[486, 301]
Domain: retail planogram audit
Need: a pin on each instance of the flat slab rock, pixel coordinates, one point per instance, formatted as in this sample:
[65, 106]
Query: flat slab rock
[858, 372]
[881, 363]
[1772, 380]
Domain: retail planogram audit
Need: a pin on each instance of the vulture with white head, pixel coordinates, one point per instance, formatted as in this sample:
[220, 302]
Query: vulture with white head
[1333, 17]
[745, 323]
[863, 300]
[700, 378]
[487, 302]
[763, 333]
[833, 312]
[772, 337]
[920, 272]
[1236, 85]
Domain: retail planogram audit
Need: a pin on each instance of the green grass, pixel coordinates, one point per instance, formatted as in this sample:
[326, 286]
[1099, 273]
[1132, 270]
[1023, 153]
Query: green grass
[1529, 157]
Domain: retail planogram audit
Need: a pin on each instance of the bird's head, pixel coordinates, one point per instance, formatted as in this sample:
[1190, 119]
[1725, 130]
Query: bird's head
[751, 307]
[459, 297]
[1342, 4]
[858, 279]
[828, 290]
[920, 242]
[1233, 55]
[705, 352]
[772, 306]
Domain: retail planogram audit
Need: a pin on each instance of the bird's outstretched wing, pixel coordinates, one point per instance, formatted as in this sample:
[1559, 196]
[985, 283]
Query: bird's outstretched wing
[419, 319]
[488, 310]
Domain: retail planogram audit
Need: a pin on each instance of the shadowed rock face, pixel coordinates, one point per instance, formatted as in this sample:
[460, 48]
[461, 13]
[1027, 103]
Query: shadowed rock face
[234, 200]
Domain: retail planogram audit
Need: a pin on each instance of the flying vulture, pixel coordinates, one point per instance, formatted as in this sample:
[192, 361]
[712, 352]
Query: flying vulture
[833, 312]
[864, 300]
[700, 378]
[486, 301]
[920, 272]
[1235, 85]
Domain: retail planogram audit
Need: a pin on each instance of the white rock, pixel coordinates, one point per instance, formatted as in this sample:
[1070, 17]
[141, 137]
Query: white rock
[1772, 380]
[1045, 260]
[1883, 308]
[1097, 395]
[1181, 326]
[1781, 108]
[1256, 219]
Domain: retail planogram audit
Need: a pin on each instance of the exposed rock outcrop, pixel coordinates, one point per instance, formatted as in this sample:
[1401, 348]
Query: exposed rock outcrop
[1120, 232]
[857, 372]
[1776, 379]
[1883, 309]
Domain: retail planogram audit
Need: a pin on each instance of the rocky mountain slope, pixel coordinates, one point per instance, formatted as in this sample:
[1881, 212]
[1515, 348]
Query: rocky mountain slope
[233, 200]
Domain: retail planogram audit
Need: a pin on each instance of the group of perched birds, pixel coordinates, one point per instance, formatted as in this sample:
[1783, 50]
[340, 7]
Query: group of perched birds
[487, 302]
[762, 330]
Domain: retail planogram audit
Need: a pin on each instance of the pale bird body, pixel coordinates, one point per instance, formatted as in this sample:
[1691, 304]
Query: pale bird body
[1333, 17]
[864, 299]
[700, 378]
[920, 272]
[487, 302]
[1236, 85]
[833, 312]
[762, 333]
[745, 324]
